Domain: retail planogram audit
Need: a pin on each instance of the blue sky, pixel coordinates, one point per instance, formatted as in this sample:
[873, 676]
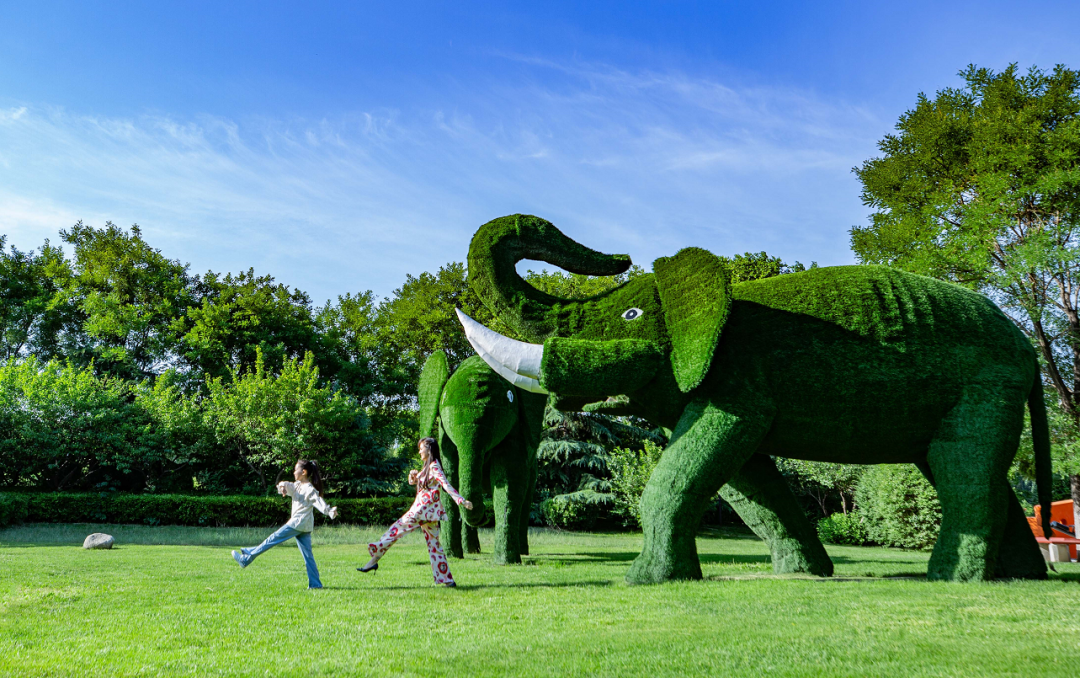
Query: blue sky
[339, 146]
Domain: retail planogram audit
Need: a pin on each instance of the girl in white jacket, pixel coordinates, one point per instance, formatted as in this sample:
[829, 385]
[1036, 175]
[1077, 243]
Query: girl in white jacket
[305, 497]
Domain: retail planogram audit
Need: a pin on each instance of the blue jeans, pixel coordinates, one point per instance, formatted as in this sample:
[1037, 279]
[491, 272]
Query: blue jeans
[303, 541]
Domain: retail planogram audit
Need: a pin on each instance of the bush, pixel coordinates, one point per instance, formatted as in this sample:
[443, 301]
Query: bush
[12, 508]
[575, 511]
[843, 528]
[177, 509]
[62, 427]
[899, 507]
[630, 471]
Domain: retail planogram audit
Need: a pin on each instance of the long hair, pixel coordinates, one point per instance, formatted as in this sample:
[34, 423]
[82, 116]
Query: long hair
[432, 448]
[314, 476]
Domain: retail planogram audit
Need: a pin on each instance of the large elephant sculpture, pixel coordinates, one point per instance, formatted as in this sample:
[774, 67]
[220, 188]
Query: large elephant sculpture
[847, 364]
[488, 434]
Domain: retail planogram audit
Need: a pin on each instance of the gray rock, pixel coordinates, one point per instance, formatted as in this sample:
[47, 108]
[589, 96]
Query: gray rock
[98, 540]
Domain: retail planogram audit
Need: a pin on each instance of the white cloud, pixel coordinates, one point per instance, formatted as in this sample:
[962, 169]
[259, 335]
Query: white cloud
[645, 163]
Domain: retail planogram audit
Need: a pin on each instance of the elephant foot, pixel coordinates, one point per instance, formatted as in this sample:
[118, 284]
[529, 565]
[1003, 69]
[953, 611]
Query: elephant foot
[648, 569]
[794, 559]
[506, 559]
[968, 562]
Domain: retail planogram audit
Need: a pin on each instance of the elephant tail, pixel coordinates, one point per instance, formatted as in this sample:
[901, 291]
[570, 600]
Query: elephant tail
[1040, 437]
[432, 379]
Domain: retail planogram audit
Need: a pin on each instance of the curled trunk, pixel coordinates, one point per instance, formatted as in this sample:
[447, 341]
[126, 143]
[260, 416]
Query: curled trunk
[497, 248]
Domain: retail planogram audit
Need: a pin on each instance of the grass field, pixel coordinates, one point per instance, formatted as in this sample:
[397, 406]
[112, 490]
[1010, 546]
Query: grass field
[170, 601]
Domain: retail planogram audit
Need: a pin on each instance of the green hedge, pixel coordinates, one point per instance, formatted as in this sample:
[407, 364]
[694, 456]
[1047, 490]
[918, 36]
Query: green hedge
[178, 509]
[13, 508]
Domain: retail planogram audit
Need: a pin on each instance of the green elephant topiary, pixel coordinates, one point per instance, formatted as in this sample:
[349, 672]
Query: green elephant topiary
[849, 364]
[488, 433]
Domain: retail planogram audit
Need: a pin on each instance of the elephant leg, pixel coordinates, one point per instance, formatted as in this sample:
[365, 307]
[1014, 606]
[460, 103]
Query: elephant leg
[531, 430]
[762, 498]
[471, 537]
[531, 471]
[1019, 556]
[509, 484]
[710, 444]
[969, 459]
[453, 526]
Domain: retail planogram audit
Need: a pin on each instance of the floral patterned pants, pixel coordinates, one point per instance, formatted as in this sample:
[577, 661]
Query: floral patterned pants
[439, 567]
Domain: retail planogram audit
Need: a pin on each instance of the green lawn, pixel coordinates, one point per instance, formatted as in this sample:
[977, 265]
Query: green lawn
[172, 601]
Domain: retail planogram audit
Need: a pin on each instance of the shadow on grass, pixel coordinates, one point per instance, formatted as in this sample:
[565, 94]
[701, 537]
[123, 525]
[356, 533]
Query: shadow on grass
[882, 561]
[628, 556]
[596, 583]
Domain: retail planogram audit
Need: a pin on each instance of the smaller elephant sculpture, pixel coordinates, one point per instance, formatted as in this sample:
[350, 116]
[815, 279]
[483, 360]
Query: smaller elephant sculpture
[488, 432]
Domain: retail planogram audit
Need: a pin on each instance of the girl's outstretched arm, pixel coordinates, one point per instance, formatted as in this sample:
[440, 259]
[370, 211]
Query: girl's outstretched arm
[313, 498]
[437, 471]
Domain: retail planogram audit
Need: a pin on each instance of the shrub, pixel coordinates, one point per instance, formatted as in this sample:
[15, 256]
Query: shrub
[899, 507]
[177, 509]
[843, 528]
[12, 508]
[62, 427]
[575, 511]
[630, 471]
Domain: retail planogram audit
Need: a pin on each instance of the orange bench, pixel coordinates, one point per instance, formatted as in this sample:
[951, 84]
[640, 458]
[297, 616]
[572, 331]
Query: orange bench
[1060, 512]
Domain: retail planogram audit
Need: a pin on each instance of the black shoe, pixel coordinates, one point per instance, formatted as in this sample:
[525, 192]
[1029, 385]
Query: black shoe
[368, 569]
[451, 585]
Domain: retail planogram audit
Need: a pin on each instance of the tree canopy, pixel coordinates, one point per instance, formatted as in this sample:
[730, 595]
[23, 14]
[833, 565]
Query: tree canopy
[980, 185]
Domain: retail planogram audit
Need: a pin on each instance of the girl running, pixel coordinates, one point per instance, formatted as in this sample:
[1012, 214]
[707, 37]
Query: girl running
[425, 513]
[305, 496]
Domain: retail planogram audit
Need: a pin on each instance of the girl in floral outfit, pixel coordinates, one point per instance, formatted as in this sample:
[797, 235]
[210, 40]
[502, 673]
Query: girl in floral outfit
[425, 513]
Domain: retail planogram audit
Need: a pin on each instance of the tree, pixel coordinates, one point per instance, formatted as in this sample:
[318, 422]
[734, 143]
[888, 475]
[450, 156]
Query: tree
[748, 266]
[129, 294]
[270, 420]
[981, 186]
[239, 316]
[576, 285]
[36, 317]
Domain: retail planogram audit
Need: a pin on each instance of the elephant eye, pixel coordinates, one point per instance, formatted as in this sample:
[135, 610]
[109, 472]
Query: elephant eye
[632, 314]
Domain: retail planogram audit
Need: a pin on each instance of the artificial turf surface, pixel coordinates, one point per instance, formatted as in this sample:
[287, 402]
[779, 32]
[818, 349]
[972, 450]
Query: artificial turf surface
[171, 601]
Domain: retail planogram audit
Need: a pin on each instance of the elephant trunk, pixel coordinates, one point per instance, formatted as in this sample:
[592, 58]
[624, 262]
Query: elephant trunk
[471, 486]
[497, 248]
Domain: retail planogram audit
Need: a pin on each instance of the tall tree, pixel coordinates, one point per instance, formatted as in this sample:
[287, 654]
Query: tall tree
[36, 316]
[419, 319]
[980, 185]
[239, 316]
[129, 294]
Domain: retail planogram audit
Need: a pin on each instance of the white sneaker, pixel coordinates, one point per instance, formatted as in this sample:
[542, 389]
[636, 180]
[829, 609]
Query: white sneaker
[239, 558]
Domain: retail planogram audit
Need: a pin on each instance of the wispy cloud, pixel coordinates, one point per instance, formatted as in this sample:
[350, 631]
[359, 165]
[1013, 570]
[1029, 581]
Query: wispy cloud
[644, 163]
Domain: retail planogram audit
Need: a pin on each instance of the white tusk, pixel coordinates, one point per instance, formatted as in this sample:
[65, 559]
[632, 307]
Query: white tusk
[516, 361]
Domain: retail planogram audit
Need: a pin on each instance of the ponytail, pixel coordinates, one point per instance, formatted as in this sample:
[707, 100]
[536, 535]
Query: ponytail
[313, 473]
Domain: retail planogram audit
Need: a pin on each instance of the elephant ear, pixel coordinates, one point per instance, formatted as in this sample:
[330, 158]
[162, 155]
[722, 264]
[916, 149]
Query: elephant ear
[696, 299]
[432, 379]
